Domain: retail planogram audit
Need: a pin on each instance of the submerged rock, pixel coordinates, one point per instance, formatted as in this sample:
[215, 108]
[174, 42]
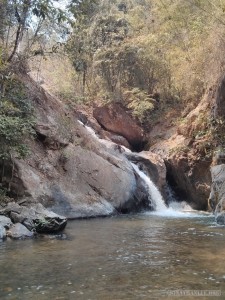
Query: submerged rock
[35, 217]
[220, 218]
[19, 231]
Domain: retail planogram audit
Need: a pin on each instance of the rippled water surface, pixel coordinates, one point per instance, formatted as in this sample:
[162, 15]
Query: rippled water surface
[129, 257]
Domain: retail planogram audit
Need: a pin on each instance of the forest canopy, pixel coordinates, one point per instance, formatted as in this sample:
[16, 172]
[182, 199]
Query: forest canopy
[146, 54]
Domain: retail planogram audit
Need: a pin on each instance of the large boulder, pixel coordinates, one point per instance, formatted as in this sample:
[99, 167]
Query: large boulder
[190, 178]
[80, 176]
[35, 217]
[5, 222]
[114, 118]
[85, 184]
[19, 231]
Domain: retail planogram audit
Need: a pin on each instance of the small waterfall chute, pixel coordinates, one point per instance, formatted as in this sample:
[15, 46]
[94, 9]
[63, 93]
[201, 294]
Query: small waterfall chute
[156, 197]
[175, 209]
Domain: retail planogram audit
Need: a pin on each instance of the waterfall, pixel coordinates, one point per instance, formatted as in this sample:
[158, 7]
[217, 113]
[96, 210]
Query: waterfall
[154, 193]
[175, 209]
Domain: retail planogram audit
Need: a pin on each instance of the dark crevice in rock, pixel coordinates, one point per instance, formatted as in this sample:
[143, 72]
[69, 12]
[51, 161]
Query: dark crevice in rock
[95, 189]
[180, 194]
[40, 137]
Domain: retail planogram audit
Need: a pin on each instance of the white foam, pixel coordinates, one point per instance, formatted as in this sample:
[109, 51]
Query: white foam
[154, 193]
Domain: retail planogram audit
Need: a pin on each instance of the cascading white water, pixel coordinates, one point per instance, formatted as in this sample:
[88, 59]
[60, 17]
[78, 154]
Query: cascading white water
[107, 143]
[175, 209]
[156, 196]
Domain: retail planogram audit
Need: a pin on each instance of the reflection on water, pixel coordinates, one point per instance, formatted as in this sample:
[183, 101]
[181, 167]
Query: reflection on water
[128, 257]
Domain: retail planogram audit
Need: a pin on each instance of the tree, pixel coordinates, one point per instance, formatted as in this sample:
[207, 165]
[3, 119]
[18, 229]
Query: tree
[22, 16]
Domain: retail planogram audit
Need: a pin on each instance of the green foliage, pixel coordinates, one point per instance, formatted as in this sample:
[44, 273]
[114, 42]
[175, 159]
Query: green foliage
[140, 103]
[16, 122]
[170, 47]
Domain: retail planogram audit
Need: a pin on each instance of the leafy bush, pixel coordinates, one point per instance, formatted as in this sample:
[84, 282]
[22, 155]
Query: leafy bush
[140, 103]
[16, 121]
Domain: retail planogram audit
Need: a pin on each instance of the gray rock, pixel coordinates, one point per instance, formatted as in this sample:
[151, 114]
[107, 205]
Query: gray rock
[5, 222]
[2, 232]
[220, 218]
[217, 195]
[70, 171]
[35, 217]
[152, 164]
[220, 212]
[91, 181]
[18, 231]
[218, 185]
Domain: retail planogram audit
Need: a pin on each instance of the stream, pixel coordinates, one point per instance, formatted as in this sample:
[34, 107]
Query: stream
[150, 255]
[142, 256]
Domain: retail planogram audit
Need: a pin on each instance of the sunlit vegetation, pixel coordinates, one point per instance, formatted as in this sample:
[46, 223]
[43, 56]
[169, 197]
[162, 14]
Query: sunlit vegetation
[169, 48]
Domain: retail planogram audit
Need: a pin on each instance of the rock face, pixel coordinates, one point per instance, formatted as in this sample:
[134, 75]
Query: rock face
[220, 212]
[217, 195]
[190, 178]
[184, 152]
[114, 118]
[35, 217]
[85, 180]
[72, 172]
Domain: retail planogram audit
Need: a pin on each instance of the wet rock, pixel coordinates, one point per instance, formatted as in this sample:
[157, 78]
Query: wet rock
[152, 164]
[5, 222]
[114, 118]
[217, 195]
[35, 217]
[2, 232]
[91, 180]
[189, 176]
[220, 212]
[19, 231]
[140, 201]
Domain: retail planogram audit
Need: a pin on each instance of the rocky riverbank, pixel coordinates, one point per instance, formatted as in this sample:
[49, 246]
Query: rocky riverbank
[19, 221]
[71, 172]
[74, 171]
